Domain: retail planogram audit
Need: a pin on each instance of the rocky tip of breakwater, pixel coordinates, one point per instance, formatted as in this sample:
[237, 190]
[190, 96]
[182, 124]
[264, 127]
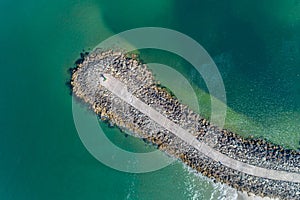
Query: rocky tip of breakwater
[135, 75]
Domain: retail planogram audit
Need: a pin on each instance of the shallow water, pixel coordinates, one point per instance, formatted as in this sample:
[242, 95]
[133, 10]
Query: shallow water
[255, 46]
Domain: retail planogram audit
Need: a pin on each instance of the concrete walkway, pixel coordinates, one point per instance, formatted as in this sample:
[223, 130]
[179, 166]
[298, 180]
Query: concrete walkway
[119, 89]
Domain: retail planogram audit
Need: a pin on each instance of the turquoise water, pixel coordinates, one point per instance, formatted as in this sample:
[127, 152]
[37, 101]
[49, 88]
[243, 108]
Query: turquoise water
[254, 44]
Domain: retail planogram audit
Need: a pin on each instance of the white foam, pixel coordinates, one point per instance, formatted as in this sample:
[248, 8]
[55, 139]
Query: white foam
[220, 191]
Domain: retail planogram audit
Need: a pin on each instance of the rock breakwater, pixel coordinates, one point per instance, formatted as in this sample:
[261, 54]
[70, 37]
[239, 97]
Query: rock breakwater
[86, 85]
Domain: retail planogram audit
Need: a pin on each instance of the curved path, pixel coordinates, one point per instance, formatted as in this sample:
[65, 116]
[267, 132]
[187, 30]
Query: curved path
[119, 89]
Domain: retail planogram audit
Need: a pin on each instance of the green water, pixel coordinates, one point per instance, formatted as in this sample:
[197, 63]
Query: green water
[254, 44]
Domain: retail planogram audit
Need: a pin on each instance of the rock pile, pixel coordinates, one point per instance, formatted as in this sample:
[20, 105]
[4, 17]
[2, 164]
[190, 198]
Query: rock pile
[140, 82]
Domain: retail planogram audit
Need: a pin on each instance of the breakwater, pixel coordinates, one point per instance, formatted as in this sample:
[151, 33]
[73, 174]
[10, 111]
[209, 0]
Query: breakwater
[123, 71]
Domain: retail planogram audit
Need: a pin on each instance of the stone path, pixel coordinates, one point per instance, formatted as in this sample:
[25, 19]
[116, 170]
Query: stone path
[119, 89]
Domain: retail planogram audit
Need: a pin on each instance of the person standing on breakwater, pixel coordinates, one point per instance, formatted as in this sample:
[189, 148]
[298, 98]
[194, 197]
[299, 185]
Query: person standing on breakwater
[102, 76]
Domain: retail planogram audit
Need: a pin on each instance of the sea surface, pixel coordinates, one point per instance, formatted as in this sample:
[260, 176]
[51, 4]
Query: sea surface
[255, 44]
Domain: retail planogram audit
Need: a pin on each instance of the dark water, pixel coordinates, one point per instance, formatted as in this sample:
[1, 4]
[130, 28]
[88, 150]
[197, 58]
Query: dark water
[255, 45]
